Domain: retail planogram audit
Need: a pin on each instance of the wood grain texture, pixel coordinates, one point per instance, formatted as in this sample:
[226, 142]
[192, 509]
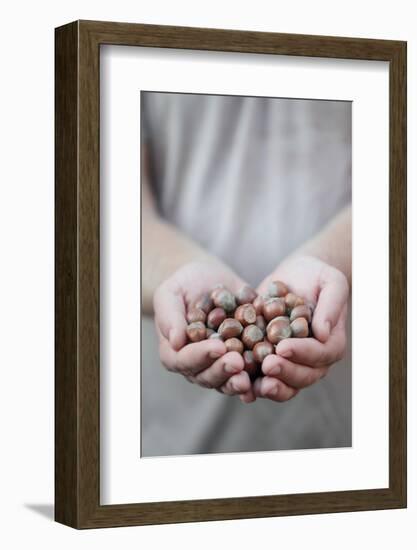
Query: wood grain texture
[77, 370]
[66, 237]
[398, 272]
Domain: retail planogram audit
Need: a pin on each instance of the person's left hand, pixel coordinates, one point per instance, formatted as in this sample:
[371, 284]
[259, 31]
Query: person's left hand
[300, 362]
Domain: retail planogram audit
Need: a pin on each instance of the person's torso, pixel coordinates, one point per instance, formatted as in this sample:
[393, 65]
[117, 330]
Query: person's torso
[250, 179]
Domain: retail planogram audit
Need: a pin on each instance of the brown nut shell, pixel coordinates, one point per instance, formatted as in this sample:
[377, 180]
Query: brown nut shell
[196, 332]
[230, 328]
[215, 336]
[209, 332]
[278, 329]
[246, 295]
[196, 315]
[245, 314]
[204, 302]
[301, 311]
[261, 323]
[216, 317]
[277, 289]
[299, 328]
[225, 299]
[258, 304]
[292, 300]
[251, 367]
[252, 335]
[274, 307]
[216, 289]
[234, 344]
[261, 350]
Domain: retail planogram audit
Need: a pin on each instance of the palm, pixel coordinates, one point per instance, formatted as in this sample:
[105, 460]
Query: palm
[302, 275]
[195, 279]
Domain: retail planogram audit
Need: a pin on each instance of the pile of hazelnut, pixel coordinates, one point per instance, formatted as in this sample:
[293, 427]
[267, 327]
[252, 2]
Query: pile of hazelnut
[249, 323]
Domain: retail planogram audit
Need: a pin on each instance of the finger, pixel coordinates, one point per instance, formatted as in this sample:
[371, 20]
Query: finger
[192, 358]
[311, 352]
[220, 371]
[334, 292]
[274, 389]
[248, 397]
[296, 376]
[167, 354]
[256, 387]
[169, 310]
[236, 385]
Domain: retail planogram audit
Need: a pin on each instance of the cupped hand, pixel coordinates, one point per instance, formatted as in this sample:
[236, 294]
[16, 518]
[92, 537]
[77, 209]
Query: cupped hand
[206, 363]
[300, 362]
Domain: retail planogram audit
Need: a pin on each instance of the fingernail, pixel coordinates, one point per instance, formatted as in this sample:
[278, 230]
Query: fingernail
[274, 371]
[273, 392]
[231, 369]
[286, 353]
[245, 398]
[267, 386]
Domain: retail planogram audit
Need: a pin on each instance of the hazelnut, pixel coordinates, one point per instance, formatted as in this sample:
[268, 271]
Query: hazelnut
[261, 323]
[216, 288]
[277, 289]
[204, 302]
[274, 307]
[301, 311]
[196, 315]
[215, 336]
[230, 328]
[292, 300]
[225, 299]
[278, 329]
[196, 331]
[258, 304]
[209, 332]
[299, 328]
[245, 314]
[216, 317]
[234, 344]
[251, 367]
[246, 295]
[261, 350]
[252, 335]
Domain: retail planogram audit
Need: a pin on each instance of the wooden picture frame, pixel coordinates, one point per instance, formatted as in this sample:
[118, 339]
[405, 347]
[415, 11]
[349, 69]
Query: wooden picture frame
[77, 359]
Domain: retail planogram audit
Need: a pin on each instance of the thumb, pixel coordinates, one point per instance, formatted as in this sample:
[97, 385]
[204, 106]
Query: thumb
[170, 316]
[333, 295]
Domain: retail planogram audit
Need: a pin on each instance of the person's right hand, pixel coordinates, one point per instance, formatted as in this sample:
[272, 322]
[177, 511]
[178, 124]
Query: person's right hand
[206, 363]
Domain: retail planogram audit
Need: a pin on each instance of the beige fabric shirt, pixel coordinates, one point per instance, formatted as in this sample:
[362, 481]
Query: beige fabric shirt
[239, 174]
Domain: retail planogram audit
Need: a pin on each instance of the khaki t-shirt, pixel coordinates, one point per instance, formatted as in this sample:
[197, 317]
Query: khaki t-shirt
[241, 174]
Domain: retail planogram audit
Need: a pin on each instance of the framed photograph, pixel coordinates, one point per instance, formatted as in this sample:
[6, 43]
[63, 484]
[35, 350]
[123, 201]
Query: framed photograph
[230, 274]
